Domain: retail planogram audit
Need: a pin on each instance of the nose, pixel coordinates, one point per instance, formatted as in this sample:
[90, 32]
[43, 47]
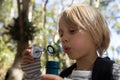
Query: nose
[65, 38]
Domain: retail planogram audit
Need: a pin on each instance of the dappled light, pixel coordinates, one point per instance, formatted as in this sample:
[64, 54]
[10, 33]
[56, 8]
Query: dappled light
[26, 23]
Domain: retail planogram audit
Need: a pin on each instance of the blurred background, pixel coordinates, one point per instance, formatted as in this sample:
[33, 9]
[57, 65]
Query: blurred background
[34, 22]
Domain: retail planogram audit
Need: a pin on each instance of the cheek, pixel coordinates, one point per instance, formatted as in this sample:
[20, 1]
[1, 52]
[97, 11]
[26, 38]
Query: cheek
[78, 41]
[81, 44]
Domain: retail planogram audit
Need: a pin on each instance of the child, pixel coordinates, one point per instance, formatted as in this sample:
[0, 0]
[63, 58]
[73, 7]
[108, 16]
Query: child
[85, 36]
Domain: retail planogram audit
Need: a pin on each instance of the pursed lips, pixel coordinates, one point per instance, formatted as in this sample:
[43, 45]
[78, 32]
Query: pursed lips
[66, 49]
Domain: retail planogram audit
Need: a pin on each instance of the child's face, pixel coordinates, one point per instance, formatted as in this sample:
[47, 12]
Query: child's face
[76, 42]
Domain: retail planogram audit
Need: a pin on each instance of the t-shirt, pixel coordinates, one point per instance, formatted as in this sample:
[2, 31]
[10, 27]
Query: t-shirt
[80, 75]
[86, 75]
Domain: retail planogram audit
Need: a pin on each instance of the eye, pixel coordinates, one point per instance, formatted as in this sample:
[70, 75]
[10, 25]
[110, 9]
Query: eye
[72, 31]
[60, 34]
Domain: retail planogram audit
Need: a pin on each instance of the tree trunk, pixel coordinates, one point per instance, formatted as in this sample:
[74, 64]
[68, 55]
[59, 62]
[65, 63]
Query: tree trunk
[91, 2]
[44, 22]
[15, 73]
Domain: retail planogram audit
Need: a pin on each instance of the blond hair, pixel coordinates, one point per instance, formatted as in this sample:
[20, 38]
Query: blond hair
[91, 20]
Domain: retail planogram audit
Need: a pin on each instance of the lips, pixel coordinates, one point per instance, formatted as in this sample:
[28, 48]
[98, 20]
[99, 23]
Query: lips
[67, 49]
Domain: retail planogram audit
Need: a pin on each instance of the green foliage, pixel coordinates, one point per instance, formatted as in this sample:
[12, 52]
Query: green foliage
[28, 30]
[5, 10]
[6, 56]
[117, 25]
[117, 61]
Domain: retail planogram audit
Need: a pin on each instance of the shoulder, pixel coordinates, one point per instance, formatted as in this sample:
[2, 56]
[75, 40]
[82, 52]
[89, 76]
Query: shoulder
[116, 71]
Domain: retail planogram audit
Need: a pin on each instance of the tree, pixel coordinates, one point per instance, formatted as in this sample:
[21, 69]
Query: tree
[21, 31]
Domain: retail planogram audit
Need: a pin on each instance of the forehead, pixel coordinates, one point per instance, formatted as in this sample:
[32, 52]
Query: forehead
[66, 23]
[63, 27]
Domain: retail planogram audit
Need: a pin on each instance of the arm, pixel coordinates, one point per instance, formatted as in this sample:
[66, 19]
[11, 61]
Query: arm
[51, 77]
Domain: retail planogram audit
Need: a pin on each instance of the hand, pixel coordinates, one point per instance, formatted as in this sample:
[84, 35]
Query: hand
[51, 77]
[31, 66]
[26, 56]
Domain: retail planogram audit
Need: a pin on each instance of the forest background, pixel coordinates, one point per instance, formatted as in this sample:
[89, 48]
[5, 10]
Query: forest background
[34, 22]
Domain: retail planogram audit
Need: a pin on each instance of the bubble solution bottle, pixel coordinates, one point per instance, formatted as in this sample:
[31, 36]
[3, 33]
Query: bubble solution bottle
[52, 67]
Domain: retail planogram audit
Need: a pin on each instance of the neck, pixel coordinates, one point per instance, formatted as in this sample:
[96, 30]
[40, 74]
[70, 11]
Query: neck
[86, 63]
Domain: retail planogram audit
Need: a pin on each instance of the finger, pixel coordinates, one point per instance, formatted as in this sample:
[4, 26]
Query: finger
[28, 59]
[27, 52]
[29, 47]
